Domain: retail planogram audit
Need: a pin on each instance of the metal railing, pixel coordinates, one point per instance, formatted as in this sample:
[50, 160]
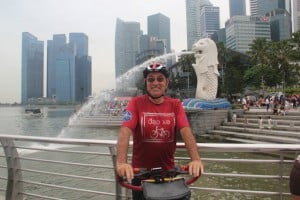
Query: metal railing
[60, 168]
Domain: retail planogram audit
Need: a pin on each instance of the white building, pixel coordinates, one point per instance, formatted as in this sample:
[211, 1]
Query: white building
[242, 30]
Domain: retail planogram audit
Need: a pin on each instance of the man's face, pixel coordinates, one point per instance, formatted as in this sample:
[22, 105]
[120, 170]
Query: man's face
[157, 84]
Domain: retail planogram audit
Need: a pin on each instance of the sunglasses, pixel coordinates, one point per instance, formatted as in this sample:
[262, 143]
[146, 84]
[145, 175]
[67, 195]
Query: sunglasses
[152, 79]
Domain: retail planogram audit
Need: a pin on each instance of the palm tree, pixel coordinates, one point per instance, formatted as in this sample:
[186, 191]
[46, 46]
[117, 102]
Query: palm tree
[259, 54]
[281, 51]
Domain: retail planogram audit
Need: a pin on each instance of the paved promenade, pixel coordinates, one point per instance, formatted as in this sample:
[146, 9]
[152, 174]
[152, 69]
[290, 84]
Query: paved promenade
[263, 109]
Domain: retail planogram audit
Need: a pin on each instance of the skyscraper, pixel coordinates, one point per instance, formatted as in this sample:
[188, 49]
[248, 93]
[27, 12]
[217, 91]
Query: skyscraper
[237, 7]
[54, 46]
[296, 15]
[83, 70]
[68, 68]
[279, 13]
[79, 42]
[126, 45]
[281, 24]
[159, 27]
[209, 20]
[193, 24]
[259, 7]
[242, 30]
[150, 47]
[32, 67]
[65, 75]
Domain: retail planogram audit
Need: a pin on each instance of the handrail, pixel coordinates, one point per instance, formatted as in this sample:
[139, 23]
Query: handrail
[74, 167]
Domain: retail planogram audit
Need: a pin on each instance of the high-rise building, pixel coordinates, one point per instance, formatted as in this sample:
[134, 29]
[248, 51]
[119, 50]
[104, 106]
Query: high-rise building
[259, 7]
[65, 75]
[150, 47]
[159, 27]
[83, 80]
[279, 14]
[237, 7]
[209, 20]
[281, 24]
[32, 68]
[79, 42]
[69, 68]
[296, 15]
[54, 46]
[126, 45]
[193, 23]
[242, 30]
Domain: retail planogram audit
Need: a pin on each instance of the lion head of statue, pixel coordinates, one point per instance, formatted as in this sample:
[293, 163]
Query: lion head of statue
[206, 53]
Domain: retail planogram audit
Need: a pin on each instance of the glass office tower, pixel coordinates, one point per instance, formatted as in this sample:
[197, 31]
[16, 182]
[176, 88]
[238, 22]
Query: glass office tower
[237, 7]
[32, 68]
[126, 45]
[159, 27]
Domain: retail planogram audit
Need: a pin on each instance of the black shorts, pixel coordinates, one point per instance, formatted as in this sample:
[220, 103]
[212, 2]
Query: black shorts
[295, 178]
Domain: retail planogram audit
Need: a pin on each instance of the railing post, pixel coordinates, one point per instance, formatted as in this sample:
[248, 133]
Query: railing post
[14, 186]
[117, 185]
[281, 175]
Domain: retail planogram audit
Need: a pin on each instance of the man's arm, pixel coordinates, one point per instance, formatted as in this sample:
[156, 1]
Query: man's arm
[195, 166]
[123, 168]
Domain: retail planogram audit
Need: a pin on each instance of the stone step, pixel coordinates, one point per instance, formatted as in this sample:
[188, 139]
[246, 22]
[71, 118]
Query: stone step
[273, 117]
[284, 129]
[286, 122]
[286, 133]
[262, 112]
[274, 126]
[239, 140]
[255, 137]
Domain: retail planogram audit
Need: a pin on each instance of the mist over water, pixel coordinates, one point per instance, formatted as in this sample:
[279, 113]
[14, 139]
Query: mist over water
[96, 103]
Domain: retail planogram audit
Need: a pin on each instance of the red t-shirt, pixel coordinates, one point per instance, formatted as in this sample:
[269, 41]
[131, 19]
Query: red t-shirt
[153, 126]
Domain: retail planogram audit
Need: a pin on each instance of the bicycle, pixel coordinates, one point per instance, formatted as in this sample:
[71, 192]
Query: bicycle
[158, 184]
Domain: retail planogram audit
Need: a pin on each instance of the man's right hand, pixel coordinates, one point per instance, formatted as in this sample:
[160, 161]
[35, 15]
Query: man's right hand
[125, 170]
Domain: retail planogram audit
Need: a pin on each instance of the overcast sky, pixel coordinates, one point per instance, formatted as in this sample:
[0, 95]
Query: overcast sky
[96, 18]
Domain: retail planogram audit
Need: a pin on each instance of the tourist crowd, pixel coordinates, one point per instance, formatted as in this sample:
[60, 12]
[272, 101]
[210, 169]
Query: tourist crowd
[276, 104]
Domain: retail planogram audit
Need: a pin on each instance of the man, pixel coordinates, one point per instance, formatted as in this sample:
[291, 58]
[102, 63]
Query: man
[295, 179]
[152, 120]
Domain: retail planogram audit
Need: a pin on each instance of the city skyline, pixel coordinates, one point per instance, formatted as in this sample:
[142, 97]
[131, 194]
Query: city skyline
[94, 18]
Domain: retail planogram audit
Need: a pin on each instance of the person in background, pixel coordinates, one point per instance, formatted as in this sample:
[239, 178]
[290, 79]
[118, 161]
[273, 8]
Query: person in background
[260, 122]
[152, 121]
[267, 102]
[234, 116]
[270, 122]
[295, 179]
[245, 103]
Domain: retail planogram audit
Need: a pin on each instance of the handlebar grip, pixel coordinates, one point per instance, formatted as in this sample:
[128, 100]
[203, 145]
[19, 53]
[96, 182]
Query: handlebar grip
[192, 180]
[122, 182]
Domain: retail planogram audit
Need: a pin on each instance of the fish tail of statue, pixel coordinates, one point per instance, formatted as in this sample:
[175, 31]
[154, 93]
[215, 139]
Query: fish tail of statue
[207, 86]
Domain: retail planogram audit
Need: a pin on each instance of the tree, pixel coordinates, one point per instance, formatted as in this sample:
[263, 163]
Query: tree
[236, 65]
[186, 63]
[259, 55]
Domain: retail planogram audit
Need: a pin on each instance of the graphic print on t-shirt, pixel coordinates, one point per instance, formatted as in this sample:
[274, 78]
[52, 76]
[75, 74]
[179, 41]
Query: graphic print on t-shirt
[158, 127]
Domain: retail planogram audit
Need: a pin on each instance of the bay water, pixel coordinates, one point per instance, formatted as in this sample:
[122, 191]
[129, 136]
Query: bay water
[54, 123]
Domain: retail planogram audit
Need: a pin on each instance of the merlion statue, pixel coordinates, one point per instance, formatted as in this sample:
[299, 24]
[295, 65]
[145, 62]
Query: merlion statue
[206, 68]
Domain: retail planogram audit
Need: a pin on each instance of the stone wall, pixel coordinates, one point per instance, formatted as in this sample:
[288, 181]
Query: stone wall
[202, 121]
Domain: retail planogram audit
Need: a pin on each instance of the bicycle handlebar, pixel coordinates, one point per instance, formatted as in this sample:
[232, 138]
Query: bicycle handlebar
[156, 175]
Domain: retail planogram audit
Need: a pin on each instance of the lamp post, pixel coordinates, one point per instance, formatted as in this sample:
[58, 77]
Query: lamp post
[283, 79]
